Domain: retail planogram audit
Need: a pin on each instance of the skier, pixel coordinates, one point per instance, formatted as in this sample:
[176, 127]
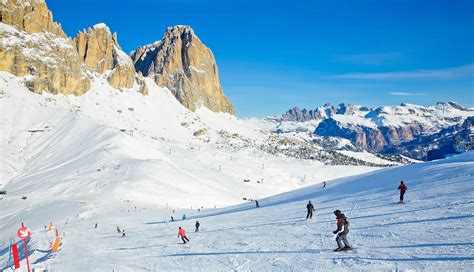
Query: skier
[118, 229]
[324, 184]
[172, 219]
[256, 204]
[182, 234]
[310, 209]
[95, 225]
[341, 232]
[123, 233]
[402, 188]
[197, 226]
[184, 216]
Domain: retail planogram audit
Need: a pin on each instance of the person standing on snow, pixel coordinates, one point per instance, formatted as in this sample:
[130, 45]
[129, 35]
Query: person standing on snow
[256, 204]
[197, 226]
[182, 234]
[118, 229]
[310, 209]
[341, 232]
[402, 188]
[123, 233]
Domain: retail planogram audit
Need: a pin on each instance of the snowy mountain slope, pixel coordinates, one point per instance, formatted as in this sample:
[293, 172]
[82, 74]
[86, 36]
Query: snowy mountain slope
[142, 148]
[433, 231]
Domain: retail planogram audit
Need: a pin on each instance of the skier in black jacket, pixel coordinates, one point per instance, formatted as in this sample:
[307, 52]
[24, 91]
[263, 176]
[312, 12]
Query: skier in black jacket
[342, 231]
[310, 209]
[197, 226]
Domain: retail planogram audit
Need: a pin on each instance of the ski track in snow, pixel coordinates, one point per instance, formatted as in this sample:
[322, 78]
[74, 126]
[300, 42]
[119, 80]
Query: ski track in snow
[432, 231]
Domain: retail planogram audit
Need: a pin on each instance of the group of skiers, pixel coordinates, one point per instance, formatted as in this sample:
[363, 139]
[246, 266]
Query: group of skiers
[182, 232]
[342, 222]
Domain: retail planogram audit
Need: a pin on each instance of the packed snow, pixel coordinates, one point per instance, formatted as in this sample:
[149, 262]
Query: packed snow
[432, 231]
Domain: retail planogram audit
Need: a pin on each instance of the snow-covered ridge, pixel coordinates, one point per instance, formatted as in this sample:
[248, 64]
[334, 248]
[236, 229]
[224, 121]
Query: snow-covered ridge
[440, 115]
[404, 129]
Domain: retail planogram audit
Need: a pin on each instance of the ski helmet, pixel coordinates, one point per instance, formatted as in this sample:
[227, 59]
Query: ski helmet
[337, 212]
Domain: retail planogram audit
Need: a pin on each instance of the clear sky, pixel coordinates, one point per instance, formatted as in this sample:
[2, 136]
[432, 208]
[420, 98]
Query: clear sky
[274, 55]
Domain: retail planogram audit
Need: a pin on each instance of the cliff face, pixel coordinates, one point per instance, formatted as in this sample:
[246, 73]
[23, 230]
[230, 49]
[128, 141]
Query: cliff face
[181, 62]
[32, 44]
[31, 16]
[100, 52]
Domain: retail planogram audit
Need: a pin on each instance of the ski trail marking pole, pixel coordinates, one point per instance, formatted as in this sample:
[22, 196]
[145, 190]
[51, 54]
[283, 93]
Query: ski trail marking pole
[16, 259]
[26, 254]
[24, 233]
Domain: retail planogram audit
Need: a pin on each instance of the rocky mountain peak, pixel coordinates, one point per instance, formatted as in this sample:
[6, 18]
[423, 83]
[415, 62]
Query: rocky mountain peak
[99, 50]
[183, 64]
[34, 45]
[31, 16]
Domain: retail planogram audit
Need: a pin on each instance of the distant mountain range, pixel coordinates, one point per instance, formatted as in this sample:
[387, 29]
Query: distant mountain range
[419, 132]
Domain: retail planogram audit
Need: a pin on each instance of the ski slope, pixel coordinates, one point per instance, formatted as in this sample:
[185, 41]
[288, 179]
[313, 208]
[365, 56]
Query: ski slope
[433, 231]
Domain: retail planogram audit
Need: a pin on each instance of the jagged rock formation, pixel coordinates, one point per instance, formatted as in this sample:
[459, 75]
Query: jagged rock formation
[100, 52]
[32, 44]
[181, 62]
[320, 113]
[30, 16]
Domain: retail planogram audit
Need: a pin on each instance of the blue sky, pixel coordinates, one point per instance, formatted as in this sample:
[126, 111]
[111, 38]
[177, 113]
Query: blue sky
[274, 55]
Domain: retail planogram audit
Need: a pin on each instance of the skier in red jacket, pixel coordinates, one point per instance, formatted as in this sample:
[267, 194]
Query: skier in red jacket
[182, 234]
[402, 188]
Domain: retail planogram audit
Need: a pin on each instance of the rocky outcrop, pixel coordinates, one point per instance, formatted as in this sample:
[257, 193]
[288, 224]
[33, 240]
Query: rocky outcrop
[33, 45]
[450, 140]
[366, 137]
[142, 83]
[320, 113]
[31, 16]
[183, 64]
[100, 52]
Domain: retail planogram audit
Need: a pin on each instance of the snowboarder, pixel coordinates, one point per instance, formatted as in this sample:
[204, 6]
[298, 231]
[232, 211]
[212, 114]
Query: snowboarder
[95, 225]
[341, 232]
[256, 204]
[197, 226]
[310, 209]
[402, 188]
[182, 234]
[123, 233]
[118, 229]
